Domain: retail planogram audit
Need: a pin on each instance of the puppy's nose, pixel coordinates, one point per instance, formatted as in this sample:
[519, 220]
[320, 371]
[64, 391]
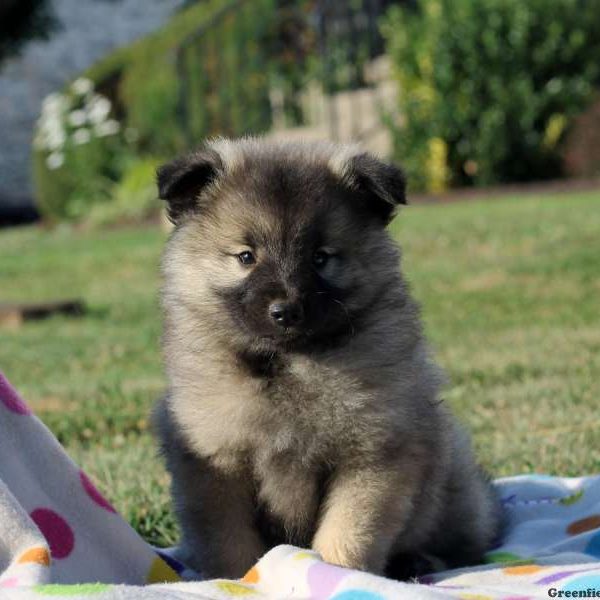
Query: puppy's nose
[286, 314]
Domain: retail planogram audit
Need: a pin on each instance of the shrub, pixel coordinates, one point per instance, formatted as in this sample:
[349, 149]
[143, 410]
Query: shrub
[133, 199]
[78, 152]
[490, 87]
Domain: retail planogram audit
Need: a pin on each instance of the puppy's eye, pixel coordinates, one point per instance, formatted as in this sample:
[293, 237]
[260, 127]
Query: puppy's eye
[320, 258]
[246, 257]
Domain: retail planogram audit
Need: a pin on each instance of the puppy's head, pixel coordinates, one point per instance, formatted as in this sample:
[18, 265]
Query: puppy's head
[279, 245]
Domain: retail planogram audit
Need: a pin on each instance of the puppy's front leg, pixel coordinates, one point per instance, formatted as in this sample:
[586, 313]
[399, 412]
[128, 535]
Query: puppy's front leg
[216, 512]
[365, 510]
[291, 493]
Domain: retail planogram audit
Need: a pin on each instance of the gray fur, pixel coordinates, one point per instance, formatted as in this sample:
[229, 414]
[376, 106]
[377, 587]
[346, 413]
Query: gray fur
[330, 434]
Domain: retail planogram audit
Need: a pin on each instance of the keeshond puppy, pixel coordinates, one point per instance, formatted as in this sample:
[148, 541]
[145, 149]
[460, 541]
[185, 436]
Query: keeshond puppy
[303, 405]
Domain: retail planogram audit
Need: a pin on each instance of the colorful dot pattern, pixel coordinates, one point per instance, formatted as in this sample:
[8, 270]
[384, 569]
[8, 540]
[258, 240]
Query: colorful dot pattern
[593, 547]
[56, 530]
[252, 576]
[235, 589]
[324, 578]
[358, 594]
[582, 525]
[37, 555]
[82, 589]
[178, 567]
[94, 494]
[161, 572]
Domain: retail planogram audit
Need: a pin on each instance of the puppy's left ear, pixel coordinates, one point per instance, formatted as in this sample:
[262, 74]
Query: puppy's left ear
[182, 181]
[384, 184]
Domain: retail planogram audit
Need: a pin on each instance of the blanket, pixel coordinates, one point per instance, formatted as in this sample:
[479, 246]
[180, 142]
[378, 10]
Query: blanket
[59, 537]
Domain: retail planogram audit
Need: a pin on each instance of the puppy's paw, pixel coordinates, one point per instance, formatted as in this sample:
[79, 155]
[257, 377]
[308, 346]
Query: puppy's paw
[342, 549]
[337, 555]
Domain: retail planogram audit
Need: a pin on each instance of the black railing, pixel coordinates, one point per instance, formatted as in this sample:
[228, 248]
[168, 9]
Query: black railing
[248, 68]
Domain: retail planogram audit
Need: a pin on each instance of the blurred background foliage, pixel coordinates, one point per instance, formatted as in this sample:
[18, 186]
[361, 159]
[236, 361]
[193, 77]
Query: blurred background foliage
[490, 87]
[489, 91]
[213, 56]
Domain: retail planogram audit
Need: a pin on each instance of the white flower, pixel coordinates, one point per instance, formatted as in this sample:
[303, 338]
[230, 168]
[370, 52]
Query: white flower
[53, 135]
[53, 103]
[82, 86]
[77, 118]
[55, 160]
[110, 127]
[81, 136]
[98, 109]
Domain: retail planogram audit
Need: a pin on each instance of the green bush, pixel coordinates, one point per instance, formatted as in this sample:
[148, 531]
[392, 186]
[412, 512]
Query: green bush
[488, 88]
[78, 153]
[133, 199]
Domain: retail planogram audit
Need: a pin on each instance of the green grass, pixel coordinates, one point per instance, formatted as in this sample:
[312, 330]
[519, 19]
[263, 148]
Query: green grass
[510, 292]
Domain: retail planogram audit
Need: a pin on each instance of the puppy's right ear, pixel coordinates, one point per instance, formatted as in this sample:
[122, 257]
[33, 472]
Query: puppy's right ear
[181, 181]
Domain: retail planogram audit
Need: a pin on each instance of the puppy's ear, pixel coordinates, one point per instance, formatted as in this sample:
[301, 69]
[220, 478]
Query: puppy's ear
[181, 181]
[383, 184]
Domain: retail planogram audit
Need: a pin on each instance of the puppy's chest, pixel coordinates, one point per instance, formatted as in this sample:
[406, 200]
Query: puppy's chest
[308, 409]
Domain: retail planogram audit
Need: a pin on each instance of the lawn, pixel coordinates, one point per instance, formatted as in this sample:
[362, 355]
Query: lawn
[510, 290]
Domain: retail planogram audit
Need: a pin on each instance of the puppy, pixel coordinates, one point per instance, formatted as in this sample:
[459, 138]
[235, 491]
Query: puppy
[303, 405]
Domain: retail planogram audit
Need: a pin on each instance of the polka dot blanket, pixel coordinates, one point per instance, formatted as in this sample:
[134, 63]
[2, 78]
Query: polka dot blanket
[60, 538]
